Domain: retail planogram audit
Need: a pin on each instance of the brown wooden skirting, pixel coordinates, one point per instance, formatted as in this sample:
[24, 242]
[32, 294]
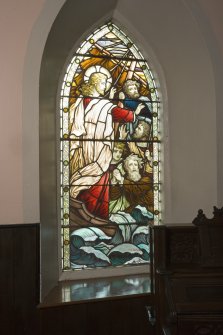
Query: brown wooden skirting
[123, 316]
[19, 279]
[99, 306]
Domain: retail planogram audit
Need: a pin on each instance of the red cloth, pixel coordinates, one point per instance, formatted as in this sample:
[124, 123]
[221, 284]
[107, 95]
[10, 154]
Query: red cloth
[96, 198]
[119, 114]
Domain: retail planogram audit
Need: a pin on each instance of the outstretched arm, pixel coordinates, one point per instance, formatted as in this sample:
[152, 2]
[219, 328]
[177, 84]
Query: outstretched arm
[122, 115]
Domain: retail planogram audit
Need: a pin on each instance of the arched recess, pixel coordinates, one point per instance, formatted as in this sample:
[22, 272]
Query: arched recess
[179, 46]
[64, 36]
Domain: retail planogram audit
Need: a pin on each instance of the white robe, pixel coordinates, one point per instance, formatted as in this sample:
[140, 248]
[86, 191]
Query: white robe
[94, 125]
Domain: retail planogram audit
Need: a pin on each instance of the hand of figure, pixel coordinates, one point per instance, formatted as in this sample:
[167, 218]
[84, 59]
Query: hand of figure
[112, 92]
[113, 181]
[121, 96]
[139, 108]
[122, 132]
[148, 155]
[117, 175]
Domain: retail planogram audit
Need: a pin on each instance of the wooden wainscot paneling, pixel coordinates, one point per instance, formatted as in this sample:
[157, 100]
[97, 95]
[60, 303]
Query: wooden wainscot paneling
[111, 306]
[189, 277]
[19, 279]
[123, 316]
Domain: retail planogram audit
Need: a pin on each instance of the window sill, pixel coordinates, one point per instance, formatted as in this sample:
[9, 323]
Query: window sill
[91, 290]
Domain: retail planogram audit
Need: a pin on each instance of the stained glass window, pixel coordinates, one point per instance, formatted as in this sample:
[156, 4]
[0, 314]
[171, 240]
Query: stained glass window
[110, 147]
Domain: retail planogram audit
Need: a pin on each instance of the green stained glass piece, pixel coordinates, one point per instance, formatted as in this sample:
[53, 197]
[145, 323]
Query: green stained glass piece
[66, 268]
[144, 67]
[65, 110]
[77, 60]
[129, 45]
[152, 90]
[91, 41]
[155, 163]
[66, 189]
[65, 163]
[66, 242]
[155, 114]
[68, 84]
[65, 136]
[156, 212]
[156, 188]
[66, 216]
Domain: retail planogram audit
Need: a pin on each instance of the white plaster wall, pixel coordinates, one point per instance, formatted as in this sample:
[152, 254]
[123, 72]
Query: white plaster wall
[169, 29]
[179, 46]
[24, 26]
[16, 23]
[30, 113]
[208, 14]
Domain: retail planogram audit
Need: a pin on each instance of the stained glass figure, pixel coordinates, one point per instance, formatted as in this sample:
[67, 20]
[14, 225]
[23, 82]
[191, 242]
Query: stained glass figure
[109, 153]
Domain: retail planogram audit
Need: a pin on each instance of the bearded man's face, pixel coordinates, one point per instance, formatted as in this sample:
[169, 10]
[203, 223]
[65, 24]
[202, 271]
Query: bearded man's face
[139, 132]
[132, 91]
[133, 170]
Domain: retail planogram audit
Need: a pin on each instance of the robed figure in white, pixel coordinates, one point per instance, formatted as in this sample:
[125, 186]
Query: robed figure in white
[92, 137]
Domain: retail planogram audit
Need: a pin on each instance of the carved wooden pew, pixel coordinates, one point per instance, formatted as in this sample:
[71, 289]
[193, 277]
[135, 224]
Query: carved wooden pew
[188, 276]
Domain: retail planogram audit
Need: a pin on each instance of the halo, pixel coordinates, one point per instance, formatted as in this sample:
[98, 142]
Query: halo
[98, 69]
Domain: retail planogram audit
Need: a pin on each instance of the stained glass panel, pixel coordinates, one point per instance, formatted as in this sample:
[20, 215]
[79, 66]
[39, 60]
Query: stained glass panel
[110, 154]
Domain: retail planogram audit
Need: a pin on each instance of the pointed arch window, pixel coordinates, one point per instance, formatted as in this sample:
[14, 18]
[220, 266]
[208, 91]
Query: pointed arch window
[109, 162]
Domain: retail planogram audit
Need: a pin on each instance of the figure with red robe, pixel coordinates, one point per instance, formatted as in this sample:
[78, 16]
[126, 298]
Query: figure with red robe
[92, 138]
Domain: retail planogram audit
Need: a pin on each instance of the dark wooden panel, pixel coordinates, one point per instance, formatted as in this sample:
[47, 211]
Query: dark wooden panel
[200, 325]
[19, 279]
[80, 321]
[6, 282]
[189, 277]
[106, 324]
[49, 321]
[182, 247]
[124, 316]
[26, 283]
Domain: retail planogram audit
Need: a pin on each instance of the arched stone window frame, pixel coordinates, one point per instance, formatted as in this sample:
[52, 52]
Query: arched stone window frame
[179, 51]
[54, 61]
